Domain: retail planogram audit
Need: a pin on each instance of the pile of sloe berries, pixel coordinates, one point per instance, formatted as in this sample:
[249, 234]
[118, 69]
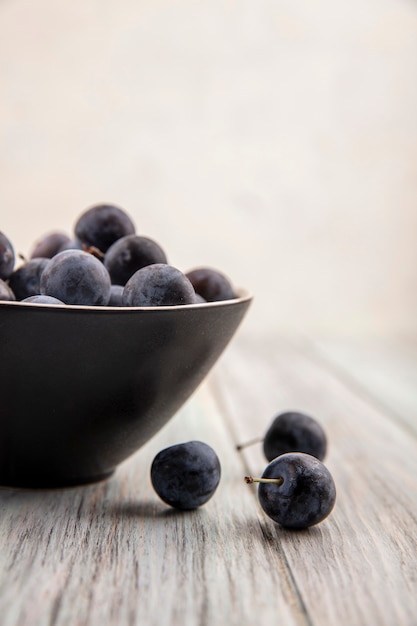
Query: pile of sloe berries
[105, 263]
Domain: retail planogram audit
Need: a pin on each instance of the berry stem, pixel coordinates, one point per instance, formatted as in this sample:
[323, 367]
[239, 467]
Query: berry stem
[240, 446]
[275, 481]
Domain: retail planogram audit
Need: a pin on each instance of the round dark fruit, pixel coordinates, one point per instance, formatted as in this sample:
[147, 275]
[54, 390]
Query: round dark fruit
[116, 295]
[48, 245]
[296, 490]
[129, 254]
[6, 294]
[186, 475]
[294, 432]
[158, 285]
[101, 225]
[76, 277]
[7, 257]
[211, 284]
[25, 280]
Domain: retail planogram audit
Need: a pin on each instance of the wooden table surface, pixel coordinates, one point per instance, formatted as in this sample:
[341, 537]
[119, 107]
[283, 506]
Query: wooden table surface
[113, 554]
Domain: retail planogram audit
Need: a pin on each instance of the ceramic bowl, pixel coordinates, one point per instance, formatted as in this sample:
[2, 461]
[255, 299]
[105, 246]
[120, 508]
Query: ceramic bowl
[82, 388]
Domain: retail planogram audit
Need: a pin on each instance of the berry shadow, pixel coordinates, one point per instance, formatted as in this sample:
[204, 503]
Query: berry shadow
[266, 533]
[138, 509]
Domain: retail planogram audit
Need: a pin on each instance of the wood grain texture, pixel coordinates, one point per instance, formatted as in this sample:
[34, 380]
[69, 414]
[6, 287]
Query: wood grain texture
[113, 554]
[385, 370]
[359, 566]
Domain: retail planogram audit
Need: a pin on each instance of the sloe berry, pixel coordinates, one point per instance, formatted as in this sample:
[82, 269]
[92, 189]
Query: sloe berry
[101, 225]
[25, 280]
[76, 277]
[48, 245]
[292, 431]
[296, 490]
[158, 285]
[211, 284]
[7, 257]
[295, 432]
[186, 475]
[6, 294]
[129, 254]
[116, 295]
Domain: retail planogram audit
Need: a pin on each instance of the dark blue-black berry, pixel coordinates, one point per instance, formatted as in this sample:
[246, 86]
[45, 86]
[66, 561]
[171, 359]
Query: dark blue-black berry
[186, 475]
[76, 277]
[158, 285]
[25, 280]
[211, 284]
[7, 257]
[295, 432]
[116, 295]
[101, 225]
[292, 431]
[296, 490]
[6, 294]
[49, 245]
[129, 254]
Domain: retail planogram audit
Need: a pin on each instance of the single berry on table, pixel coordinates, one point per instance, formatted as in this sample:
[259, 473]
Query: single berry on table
[186, 475]
[296, 490]
[292, 431]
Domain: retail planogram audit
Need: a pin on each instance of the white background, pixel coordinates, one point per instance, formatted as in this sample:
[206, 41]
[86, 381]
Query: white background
[273, 139]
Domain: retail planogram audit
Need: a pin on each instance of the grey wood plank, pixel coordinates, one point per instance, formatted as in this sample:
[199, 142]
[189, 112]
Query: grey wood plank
[384, 369]
[114, 554]
[360, 565]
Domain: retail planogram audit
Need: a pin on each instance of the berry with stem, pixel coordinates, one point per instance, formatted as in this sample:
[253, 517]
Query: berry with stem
[296, 490]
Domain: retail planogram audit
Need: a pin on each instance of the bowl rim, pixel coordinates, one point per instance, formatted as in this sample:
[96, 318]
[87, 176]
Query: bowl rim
[242, 295]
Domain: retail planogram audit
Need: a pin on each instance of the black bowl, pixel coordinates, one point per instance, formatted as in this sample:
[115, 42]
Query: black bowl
[82, 388]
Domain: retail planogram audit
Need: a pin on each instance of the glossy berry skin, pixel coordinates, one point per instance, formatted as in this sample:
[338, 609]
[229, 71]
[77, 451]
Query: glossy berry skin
[306, 496]
[211, 284]
[25, 280]
[101, 225]
[158, 285]
[295, 432]
[7, 257]
[6, 294]
[49, 245]
[76, 277]
[129, 254]
[186, 475]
